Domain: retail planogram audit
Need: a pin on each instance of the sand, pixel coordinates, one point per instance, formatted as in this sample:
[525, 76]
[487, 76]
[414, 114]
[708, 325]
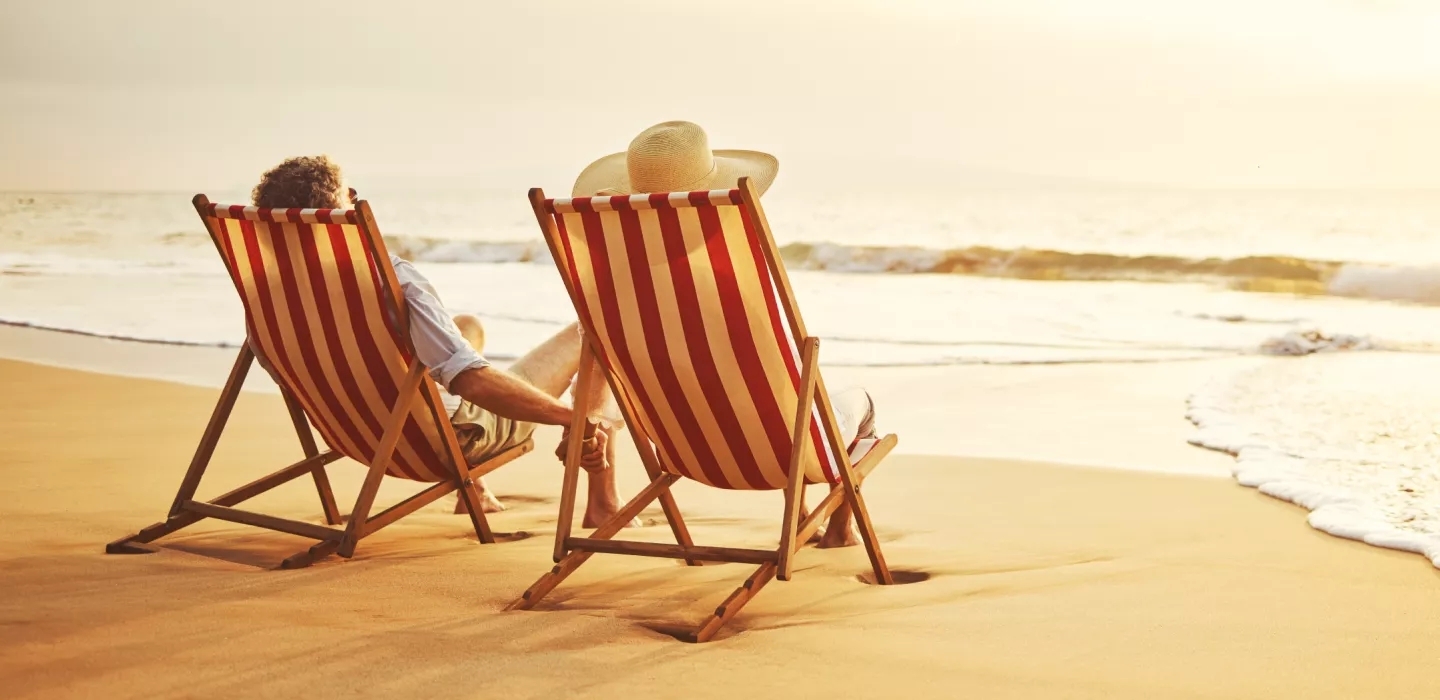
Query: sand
[1040, 580]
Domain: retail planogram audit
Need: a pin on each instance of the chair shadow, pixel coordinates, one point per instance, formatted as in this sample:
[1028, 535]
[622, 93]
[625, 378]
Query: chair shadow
[256, 552]
[266, 551]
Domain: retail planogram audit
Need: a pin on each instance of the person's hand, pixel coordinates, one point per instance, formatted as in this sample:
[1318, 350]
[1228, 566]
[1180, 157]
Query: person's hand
[354, 196]
[592, 453]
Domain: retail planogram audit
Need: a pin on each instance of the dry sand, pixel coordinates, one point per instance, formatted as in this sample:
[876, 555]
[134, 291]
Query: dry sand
[1044, 581]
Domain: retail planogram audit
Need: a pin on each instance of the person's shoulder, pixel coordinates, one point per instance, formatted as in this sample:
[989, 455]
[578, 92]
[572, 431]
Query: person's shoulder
[404, 269]
[411, 279]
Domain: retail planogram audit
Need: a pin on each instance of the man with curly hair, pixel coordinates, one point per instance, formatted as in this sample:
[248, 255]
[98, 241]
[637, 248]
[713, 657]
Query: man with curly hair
[491, 409]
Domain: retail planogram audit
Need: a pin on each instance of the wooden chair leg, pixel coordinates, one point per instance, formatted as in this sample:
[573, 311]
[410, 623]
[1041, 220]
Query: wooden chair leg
[867, 529]
[307, 444]
[851, 485]
[471, 498]
[327, 496]
[177, 517]
[790, 525]
[572, 561]
[795, 485]
[211, 437]
[478, 471]
[667, 499]
[394, 426]
[734, 603]
[585, 376]
[468, 501]
[677, 523]
[668, 505]
[355, 529]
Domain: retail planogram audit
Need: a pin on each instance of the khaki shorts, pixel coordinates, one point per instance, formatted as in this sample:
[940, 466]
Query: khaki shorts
[483, 434]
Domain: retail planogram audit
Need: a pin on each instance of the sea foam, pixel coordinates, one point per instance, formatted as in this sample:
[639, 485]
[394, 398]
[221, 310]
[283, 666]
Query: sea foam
[1419, 284]
[1264, 273]
[1350, 438]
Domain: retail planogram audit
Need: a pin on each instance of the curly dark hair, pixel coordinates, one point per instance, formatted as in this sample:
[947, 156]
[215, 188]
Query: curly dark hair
[306, 182]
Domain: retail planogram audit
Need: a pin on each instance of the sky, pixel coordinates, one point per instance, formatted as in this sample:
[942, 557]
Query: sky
[192, 96]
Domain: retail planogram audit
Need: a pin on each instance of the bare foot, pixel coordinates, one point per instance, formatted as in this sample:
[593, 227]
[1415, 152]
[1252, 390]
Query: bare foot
[840, 531]
[819, 531]
[838, 537]
[488, 504]
[602, 500]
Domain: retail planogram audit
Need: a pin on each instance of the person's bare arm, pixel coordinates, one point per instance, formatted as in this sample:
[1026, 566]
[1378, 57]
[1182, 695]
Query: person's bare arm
[504, 394]
[510, 396]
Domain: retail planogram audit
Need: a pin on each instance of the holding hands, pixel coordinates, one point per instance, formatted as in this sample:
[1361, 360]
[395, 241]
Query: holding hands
[592, 452]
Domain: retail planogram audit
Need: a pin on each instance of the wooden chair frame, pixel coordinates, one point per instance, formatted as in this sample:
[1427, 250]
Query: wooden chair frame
[570, 552]
[185, 510]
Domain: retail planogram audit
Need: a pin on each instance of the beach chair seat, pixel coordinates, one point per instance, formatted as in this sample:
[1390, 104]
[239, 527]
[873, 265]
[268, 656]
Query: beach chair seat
[687, 310]
[325, 315]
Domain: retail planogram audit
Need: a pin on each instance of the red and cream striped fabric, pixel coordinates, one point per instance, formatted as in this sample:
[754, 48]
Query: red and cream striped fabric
[315, 309]
[284, 216]
[690, 323]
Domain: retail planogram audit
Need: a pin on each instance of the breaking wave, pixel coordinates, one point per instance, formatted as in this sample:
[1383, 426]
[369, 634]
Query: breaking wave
[1257, 273]
[1267, 273]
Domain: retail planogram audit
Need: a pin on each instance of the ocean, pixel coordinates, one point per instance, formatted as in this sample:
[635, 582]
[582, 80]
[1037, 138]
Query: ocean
[1341, 290]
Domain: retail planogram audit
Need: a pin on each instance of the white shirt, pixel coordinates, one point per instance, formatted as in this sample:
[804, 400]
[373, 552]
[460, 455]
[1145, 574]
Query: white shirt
[438, 342]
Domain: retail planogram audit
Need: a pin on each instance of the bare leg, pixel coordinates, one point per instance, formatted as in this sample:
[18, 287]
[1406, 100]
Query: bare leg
[473, 331]
[855, 412]
[602, 500]
[840, 530]
[551, 367]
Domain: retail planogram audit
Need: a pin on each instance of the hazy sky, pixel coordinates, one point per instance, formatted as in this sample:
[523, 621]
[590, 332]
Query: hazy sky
[195, 95]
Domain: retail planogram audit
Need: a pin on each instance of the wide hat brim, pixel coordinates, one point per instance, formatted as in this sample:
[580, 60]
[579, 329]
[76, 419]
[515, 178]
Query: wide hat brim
[609, 175]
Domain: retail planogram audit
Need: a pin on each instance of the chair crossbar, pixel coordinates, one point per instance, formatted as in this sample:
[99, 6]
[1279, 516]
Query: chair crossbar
[428, 496]
[672, 551]
[270, 481]
[732, 605]
[269, 522]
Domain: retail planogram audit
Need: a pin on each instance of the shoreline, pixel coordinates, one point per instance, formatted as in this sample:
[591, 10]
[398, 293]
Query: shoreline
[1040, 581]
[1120, 415]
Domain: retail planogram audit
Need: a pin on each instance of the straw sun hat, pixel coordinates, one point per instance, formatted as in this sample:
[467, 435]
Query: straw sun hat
[674, 157]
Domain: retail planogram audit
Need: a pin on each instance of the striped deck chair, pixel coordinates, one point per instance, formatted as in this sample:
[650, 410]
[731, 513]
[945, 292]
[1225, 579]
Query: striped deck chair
[324, 311]
[689, 314]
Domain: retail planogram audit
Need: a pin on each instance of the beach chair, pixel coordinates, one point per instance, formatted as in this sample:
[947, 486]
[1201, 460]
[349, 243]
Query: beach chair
[325, 314]
[687, 310]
